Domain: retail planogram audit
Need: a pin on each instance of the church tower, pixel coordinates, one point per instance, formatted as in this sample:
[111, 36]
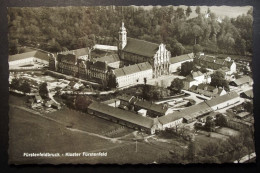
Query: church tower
[122, 37]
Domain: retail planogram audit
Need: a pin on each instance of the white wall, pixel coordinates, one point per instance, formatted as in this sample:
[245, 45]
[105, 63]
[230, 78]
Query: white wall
[173, 123]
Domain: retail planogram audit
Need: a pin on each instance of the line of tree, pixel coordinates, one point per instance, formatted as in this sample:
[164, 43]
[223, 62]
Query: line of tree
[223, 151]
[61, 28]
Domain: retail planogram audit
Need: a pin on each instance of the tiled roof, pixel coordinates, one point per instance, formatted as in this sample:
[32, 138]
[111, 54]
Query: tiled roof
[66, 58]
[193, 87]
[77, 52]
[249, 93]
[206, 87]
[141, 47]
[126, 98]
[37, 54]
[100, 65]
[207, 58]
[122, 114]
[151, 106]
[243, 80]
[196, 110]
[170, 117]
[221, 99]
[109, 58]
[181, 58]
[132, 69]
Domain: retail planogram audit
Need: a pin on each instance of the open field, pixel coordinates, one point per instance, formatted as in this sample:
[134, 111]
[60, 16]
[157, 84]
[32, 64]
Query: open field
[50, 134]
[72, 131]
[227, 131]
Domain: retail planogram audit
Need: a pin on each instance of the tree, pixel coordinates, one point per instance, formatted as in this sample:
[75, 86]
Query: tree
[82, 103]
[178, 48]
[177, 85]
[221, 120]
[197, 48]
[210, 124]
[209, 11]
[13, 47]
[145, 80]
[191, 153]
[186, 68]
[112, 83]
[248, 107]
[180, 13]
[25, 87]
[43, 90]
[218, 80]
[197, 10]
[188, 11]
[15, 84]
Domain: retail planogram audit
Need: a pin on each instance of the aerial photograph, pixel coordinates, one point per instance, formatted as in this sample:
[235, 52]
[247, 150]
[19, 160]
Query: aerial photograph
[131, 85]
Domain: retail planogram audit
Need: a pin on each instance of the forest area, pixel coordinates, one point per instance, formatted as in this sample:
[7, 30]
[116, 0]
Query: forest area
[57, 29]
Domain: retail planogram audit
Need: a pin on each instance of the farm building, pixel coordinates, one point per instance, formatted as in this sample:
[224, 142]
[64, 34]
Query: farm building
[241, 82]
[15, 61]
[175, 62]
[153, 110]
[172, 120]
[123, 117]
[247, 94]
[196, 111]
[223, 101]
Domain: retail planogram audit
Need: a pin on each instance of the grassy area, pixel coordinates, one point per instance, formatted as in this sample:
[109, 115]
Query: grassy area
[33, 133]
[37, 134]
[227, 131]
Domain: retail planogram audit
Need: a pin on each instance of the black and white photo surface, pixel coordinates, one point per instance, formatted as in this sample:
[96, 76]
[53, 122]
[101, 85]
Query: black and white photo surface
[131, 85]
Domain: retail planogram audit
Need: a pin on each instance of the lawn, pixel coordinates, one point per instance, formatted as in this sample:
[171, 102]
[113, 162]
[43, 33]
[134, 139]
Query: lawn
[83, 121]
[227, 131]
[32, 133]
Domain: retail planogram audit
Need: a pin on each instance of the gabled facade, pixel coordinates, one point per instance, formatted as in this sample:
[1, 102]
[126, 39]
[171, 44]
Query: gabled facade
[134, 51]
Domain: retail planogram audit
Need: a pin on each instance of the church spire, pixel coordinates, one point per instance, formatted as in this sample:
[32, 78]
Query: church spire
[122, 37]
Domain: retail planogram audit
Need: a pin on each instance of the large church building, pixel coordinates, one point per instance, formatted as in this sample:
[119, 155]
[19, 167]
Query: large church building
[134, 51]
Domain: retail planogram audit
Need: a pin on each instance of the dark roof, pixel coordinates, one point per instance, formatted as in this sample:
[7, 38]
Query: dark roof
[122, 114]
[126, 98]
[206, 87]
[132, 69]
[151, 106]
[194, 87]
[141, 47]
[77, 52]
[207, 58]
[70, 58]
[109, 58]
[100, 65]
[189, 78]
[37, 54]
[72, 83]
[243, 80]
[170, 117]
[221, 99]
[181, 58]
[218, 61]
